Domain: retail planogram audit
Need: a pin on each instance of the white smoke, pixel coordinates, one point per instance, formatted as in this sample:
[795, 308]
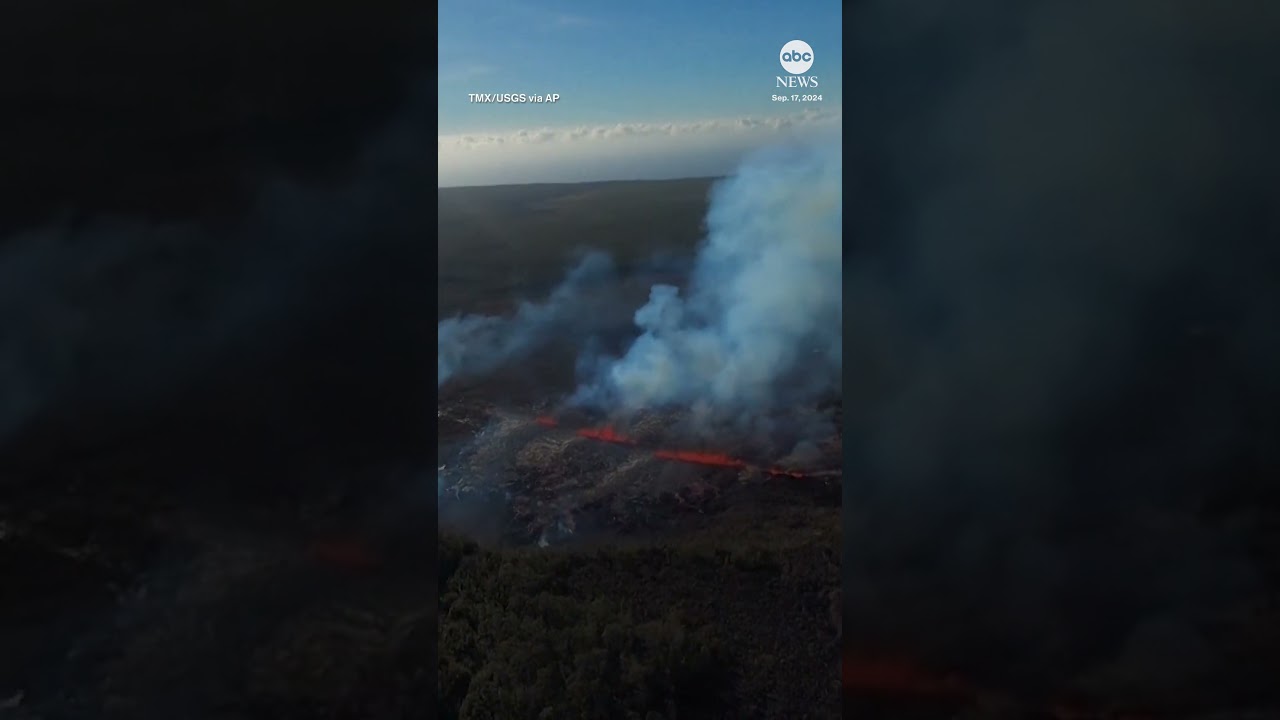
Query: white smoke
[761, 318]
[472, 345]
[759, 323]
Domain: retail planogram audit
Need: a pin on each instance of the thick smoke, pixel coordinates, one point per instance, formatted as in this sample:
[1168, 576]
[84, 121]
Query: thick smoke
[104, 319]
[760, 321]
[1061, 395]
[756, 329]
[475, 345]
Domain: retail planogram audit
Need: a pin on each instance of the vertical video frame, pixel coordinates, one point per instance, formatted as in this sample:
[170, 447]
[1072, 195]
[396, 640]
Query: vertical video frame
[639, 395]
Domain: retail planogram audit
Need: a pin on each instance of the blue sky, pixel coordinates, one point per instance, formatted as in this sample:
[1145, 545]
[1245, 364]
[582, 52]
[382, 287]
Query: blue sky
[642, 66]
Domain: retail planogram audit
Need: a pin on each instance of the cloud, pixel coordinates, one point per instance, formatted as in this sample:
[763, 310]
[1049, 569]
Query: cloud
[463, 73]
[533, 136]
[808, 117]
[521, 15]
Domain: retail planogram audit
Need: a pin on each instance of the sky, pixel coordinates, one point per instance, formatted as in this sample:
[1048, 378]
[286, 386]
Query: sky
[660, 89]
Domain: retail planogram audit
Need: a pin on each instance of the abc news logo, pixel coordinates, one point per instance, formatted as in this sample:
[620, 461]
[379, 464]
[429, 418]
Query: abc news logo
[796, 58]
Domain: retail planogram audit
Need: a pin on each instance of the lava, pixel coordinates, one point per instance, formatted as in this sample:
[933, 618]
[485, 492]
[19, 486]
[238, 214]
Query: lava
[605, 434]
[894, 677]
[700, 458]
[693, 457]
[881, 677]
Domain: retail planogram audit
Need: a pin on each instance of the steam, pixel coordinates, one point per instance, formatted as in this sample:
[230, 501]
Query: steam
[761, 318]
[475, 345]
[758, 324]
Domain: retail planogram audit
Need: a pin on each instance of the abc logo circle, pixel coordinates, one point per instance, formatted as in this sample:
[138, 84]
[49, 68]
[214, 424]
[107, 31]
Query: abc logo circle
[796, 57]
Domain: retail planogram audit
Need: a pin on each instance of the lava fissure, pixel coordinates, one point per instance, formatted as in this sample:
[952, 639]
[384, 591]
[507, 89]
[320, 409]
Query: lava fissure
[692, 457]
[605, 434]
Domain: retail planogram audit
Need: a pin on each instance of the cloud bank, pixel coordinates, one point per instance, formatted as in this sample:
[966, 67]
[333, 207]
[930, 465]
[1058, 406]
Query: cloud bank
[623, 151]
[805, 118]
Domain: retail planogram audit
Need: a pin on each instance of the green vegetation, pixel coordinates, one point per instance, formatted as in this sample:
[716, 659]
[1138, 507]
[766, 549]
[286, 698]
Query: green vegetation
[696, 628]
[498, 245]
[727, 616]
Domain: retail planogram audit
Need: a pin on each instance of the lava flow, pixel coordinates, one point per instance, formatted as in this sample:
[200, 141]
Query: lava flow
[884, 678]
[890, 677]
[700, 458]
[605, 434]
[692, 457]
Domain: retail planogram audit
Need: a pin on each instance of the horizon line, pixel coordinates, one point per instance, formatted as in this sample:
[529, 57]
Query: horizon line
[584, 182]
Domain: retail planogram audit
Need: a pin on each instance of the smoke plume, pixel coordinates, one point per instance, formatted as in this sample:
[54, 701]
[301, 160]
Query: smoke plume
[760, 320]
[758, 324]
[108, 318]
[475, 345]
[1061, 394]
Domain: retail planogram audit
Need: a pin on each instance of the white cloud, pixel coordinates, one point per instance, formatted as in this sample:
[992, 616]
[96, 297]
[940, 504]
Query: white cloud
[462, 73]
[589, 133]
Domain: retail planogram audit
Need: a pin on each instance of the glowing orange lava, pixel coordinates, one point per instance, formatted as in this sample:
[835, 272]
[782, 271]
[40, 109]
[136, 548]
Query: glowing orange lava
[700, 458]
[693, 457]
[605, 434]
